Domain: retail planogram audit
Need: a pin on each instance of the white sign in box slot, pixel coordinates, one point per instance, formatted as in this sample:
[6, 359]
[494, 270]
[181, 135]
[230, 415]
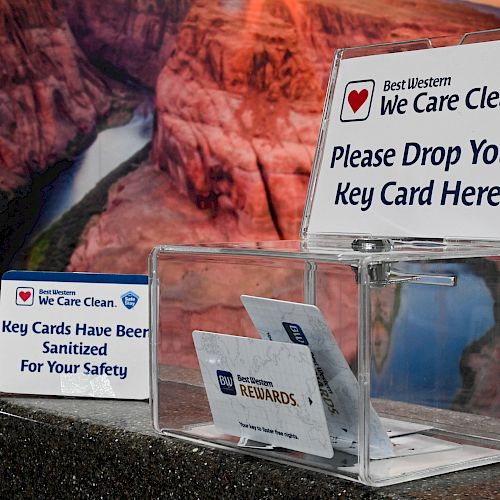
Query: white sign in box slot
[411, 146]
[74, 334]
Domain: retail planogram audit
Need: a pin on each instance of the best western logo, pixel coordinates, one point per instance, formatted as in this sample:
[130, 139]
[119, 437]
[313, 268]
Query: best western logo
[25, 296]
[357, 101]
[265, 394]
[226, 382]
[295, 333]
[227, 386]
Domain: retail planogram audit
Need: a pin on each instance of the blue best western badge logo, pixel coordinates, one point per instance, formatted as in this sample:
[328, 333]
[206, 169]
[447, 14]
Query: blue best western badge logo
[226, 382]
[130, 299]
[295, 333]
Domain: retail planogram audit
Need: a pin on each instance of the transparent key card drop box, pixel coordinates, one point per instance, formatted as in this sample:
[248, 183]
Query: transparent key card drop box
[413, 392]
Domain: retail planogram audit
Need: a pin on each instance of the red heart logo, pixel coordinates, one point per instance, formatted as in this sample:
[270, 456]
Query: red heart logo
[357, 99]
[25, 295]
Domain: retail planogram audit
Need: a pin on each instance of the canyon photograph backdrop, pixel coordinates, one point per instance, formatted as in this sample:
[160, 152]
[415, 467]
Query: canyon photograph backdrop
[129, 123]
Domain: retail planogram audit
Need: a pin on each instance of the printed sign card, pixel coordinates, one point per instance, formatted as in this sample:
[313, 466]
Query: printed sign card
[263, 391]
[410, 146]
[74, 334]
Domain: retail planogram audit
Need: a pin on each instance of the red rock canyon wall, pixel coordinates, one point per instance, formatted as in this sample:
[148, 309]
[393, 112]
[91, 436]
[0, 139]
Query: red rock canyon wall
[50, 96]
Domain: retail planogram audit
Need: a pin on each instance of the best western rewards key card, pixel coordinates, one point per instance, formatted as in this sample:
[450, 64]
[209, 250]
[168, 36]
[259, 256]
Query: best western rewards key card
[74, 334]
[303, 324]
[263, 391]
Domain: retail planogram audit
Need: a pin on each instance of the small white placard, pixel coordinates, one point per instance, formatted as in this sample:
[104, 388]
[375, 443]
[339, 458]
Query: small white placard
[411, 146]
[74, 334]
[263, 391]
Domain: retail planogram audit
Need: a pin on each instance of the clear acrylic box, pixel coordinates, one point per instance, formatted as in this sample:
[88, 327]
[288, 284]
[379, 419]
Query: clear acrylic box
[418, 321]
[402, 317]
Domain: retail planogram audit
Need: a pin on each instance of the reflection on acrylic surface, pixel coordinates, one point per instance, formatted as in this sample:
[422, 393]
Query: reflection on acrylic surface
[424, 338]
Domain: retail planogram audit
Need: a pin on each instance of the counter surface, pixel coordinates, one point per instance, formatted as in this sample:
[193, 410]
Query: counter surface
[58, 448]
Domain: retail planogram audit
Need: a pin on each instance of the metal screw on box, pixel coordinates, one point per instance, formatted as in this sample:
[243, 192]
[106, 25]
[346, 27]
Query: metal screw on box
[382, 274]
[372, 245]
[379, 273]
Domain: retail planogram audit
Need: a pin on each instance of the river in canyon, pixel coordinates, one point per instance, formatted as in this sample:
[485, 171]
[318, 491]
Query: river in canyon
[111, 147]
